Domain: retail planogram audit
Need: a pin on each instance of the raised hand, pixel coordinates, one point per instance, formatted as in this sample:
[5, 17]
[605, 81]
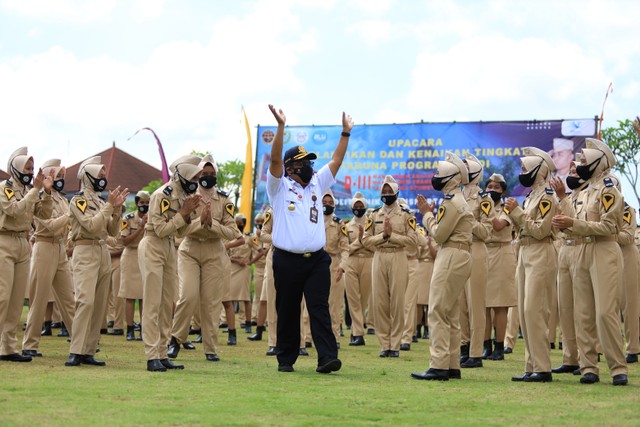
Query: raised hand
[278, 114]
[347, 122]
[387, 228]
[510, 204]
[424, 206]
[190, 204]
[48, 181]
[38, 181]
[558, 187]
[113, 196]
[205, 215]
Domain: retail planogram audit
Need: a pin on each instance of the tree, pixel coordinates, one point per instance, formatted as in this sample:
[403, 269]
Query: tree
[624, 141]
[229, 175]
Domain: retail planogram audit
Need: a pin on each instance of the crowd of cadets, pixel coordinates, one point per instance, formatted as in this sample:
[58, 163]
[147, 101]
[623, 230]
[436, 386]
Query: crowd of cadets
[476, 271]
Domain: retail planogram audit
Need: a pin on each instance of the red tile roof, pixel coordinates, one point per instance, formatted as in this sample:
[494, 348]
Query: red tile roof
[123, 170]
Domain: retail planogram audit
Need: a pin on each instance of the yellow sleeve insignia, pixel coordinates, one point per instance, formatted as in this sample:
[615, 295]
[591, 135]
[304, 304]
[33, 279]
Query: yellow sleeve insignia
[421, 230]
[9, 193]
[627, 217]
[440, 214]
[368, 224]
[123, 225]
[231, 210]
[486, 207]
[544, 206]
[255, 240]
[607, 201]
[267, 217]
[412, 222]
[165, 204]
[81, 204]
[344, 230]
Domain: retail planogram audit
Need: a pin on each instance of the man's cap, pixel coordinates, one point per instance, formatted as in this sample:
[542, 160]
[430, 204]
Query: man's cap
[358, 197]
[298, 153]
[536, 152]
[599, 145]
[560, 144]
[389, 180]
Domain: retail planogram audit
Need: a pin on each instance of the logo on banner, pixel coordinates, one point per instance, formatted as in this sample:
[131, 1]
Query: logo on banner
[319, 137]
[302, 136]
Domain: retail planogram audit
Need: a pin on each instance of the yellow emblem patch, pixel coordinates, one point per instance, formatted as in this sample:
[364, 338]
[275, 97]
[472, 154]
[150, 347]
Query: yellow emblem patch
[421, 230]
[440, 213]
[486, 207]
[81, 204]
[123, 225]
[9, 192]
[627, 217]
[230, 209]
[412, 222]
[607, 201]
[368, 224]
[267, 217]
[165, 204]
[344, 230]
[544, 207]
[255, 240]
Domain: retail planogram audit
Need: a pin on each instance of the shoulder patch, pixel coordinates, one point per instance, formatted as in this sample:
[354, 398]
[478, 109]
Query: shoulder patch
[255, 240]
[344, 230]
[123, 225]
[544, 206]
[608, 182]
[336, 219]
[406, 210]
[165, 204]
[440, 214]
[377, 209]
[548, 190]
[9, 192]
[412, 222]
[130, 215]
[10, 183]
[483, 193]
[231, 210]
[368, 224]
[485, 207]
[422, 231]
[607, 200]
[222, 193]
[168, 190]
[627, 216]
[81, 204]
[448, 196]
[267, 217]
[79, 193]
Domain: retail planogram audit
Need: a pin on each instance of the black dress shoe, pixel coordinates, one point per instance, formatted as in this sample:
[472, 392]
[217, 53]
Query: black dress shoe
[394, 353]
[31, 353]
[89, 360]
[522, 377]
[371, 331]
[539, 377]
[303, 352]
[104, 331]
[271, 351]
[73, 360]
[136, 326]
[187, 345]
[308, 344]
[64, 332]
[472, 362]
[508, 350]
[414, 339]
[405, 347]
[432, 375]
[167, 364]
[589, 378]
[15, 357]
[620, 379]
[116, 332]
[357, 341]
[577, 372]
[174, 348]
[331, 366]
[198, 340]
[56, 325]
[155, 366]
[384, 353]
[285, 367]
[565, 369]
[552, 345]
[632, 358]
[212, 357]
[455, 374]
[195, 331]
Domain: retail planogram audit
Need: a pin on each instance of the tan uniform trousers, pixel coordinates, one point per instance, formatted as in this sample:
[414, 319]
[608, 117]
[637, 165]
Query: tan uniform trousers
[269, 293]
[513, 323]
[535, 278]
[116, 303]
[158, 265]
[411, 302]
[258, 280]
[473, 300]
[389, 279]
[566, 271]
[92, 277]
[554, 314]
[50, 274]
[451, 271]
[336, 297]
[629, 299]
[595, 292]
[200, 265]
[14, 265]
[357, 281]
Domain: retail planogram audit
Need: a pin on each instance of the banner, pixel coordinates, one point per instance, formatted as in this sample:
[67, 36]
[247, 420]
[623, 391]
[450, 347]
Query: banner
[410, 153]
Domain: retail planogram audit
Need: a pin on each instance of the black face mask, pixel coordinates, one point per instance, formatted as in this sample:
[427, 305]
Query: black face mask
[527, 179]
[58, 185]
[99, 184]
[358, 212]
[189, 187]
[586, 171]
[241, 226]
[327, 209]
[439, 182]
[495, 195]
[389, 200]
[259, 226]
[473, 176]
[24, 178]
[208, 181]
[143, 209]
[574, 182]
[305, 173]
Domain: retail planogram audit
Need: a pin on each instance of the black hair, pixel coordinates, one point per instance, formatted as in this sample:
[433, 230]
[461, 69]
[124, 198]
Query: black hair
[503, 185]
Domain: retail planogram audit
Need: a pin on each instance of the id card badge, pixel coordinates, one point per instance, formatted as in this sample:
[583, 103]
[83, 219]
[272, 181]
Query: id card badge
[313, 215]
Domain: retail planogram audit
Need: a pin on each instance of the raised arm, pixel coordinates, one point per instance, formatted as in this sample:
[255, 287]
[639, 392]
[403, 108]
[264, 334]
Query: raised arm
[341, 149]
[275, 166]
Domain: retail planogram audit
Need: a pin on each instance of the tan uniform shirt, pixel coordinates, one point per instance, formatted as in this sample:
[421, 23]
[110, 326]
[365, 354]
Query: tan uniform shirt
[403, 224]
[18, 204]
[599, 209]
[57, 225]
[92, 218]
[337, 239]
[129, 225]
[534, 218]
[481, 205]
[354, 244]
[454, 221]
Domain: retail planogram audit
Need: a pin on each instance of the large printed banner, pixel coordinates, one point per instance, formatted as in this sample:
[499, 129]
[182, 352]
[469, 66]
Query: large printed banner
[410, 153]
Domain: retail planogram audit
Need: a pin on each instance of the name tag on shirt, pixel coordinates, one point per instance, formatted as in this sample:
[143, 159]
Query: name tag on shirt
[313, 215]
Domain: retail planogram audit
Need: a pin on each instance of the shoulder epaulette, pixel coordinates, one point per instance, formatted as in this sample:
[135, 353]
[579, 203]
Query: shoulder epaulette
[222, 193]
[377, 209]
[79, 193]
[483, 193]
[528, 194]
[130, 215]
[336, 219]
[608, 182]
[448, 196]
[9, 183]
[548, 190]
[406, 210]
[102, 198]
[167, 190]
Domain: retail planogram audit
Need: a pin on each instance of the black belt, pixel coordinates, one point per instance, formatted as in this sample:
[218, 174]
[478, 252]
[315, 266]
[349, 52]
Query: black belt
[299, 255]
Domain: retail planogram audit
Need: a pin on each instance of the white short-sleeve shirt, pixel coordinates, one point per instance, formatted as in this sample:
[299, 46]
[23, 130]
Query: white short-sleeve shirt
[293, 229]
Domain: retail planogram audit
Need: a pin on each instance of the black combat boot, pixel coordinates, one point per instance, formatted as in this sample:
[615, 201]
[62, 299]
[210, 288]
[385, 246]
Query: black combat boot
[464, 353]
[258, 335]
[231, 340]
[498, 352]
[63, 330]
[131, 336]
[46, 329]
[486, 352]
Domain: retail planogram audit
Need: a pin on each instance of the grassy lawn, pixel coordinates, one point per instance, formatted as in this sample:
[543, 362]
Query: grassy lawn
[244, 388]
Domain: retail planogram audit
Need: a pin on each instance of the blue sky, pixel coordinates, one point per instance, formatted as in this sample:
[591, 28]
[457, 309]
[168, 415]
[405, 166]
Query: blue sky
[77, 75]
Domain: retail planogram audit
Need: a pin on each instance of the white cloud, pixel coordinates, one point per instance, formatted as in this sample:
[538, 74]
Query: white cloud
[75, 11]
[371, 32]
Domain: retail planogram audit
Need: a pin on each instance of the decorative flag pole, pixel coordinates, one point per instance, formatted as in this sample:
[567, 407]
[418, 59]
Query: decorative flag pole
[247, 176]
[606, 95]
[165, 169]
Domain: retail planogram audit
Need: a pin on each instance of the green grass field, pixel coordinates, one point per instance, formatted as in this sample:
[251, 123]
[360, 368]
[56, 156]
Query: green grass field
[244, 388]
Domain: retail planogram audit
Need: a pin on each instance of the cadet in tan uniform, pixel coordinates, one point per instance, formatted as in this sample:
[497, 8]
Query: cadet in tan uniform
[425, 271]
[501, 286]
[388, 231]
[116, 304]
[50, 272]
[472, 315]
[357, 277]
[131, 233]
[537, 261]
[451, 228]
[200, 264]
[259, 262]
[628, 294]
[336, 247]
[19, 202]
[170, 211]
[599, 266]
[92, 221]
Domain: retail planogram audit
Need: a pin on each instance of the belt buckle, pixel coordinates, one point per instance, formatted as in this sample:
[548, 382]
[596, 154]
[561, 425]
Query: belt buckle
[589, 239]
[570, 242]
[306, 255]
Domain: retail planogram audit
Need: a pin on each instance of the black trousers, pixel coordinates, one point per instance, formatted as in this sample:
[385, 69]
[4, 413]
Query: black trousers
[294, 276]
